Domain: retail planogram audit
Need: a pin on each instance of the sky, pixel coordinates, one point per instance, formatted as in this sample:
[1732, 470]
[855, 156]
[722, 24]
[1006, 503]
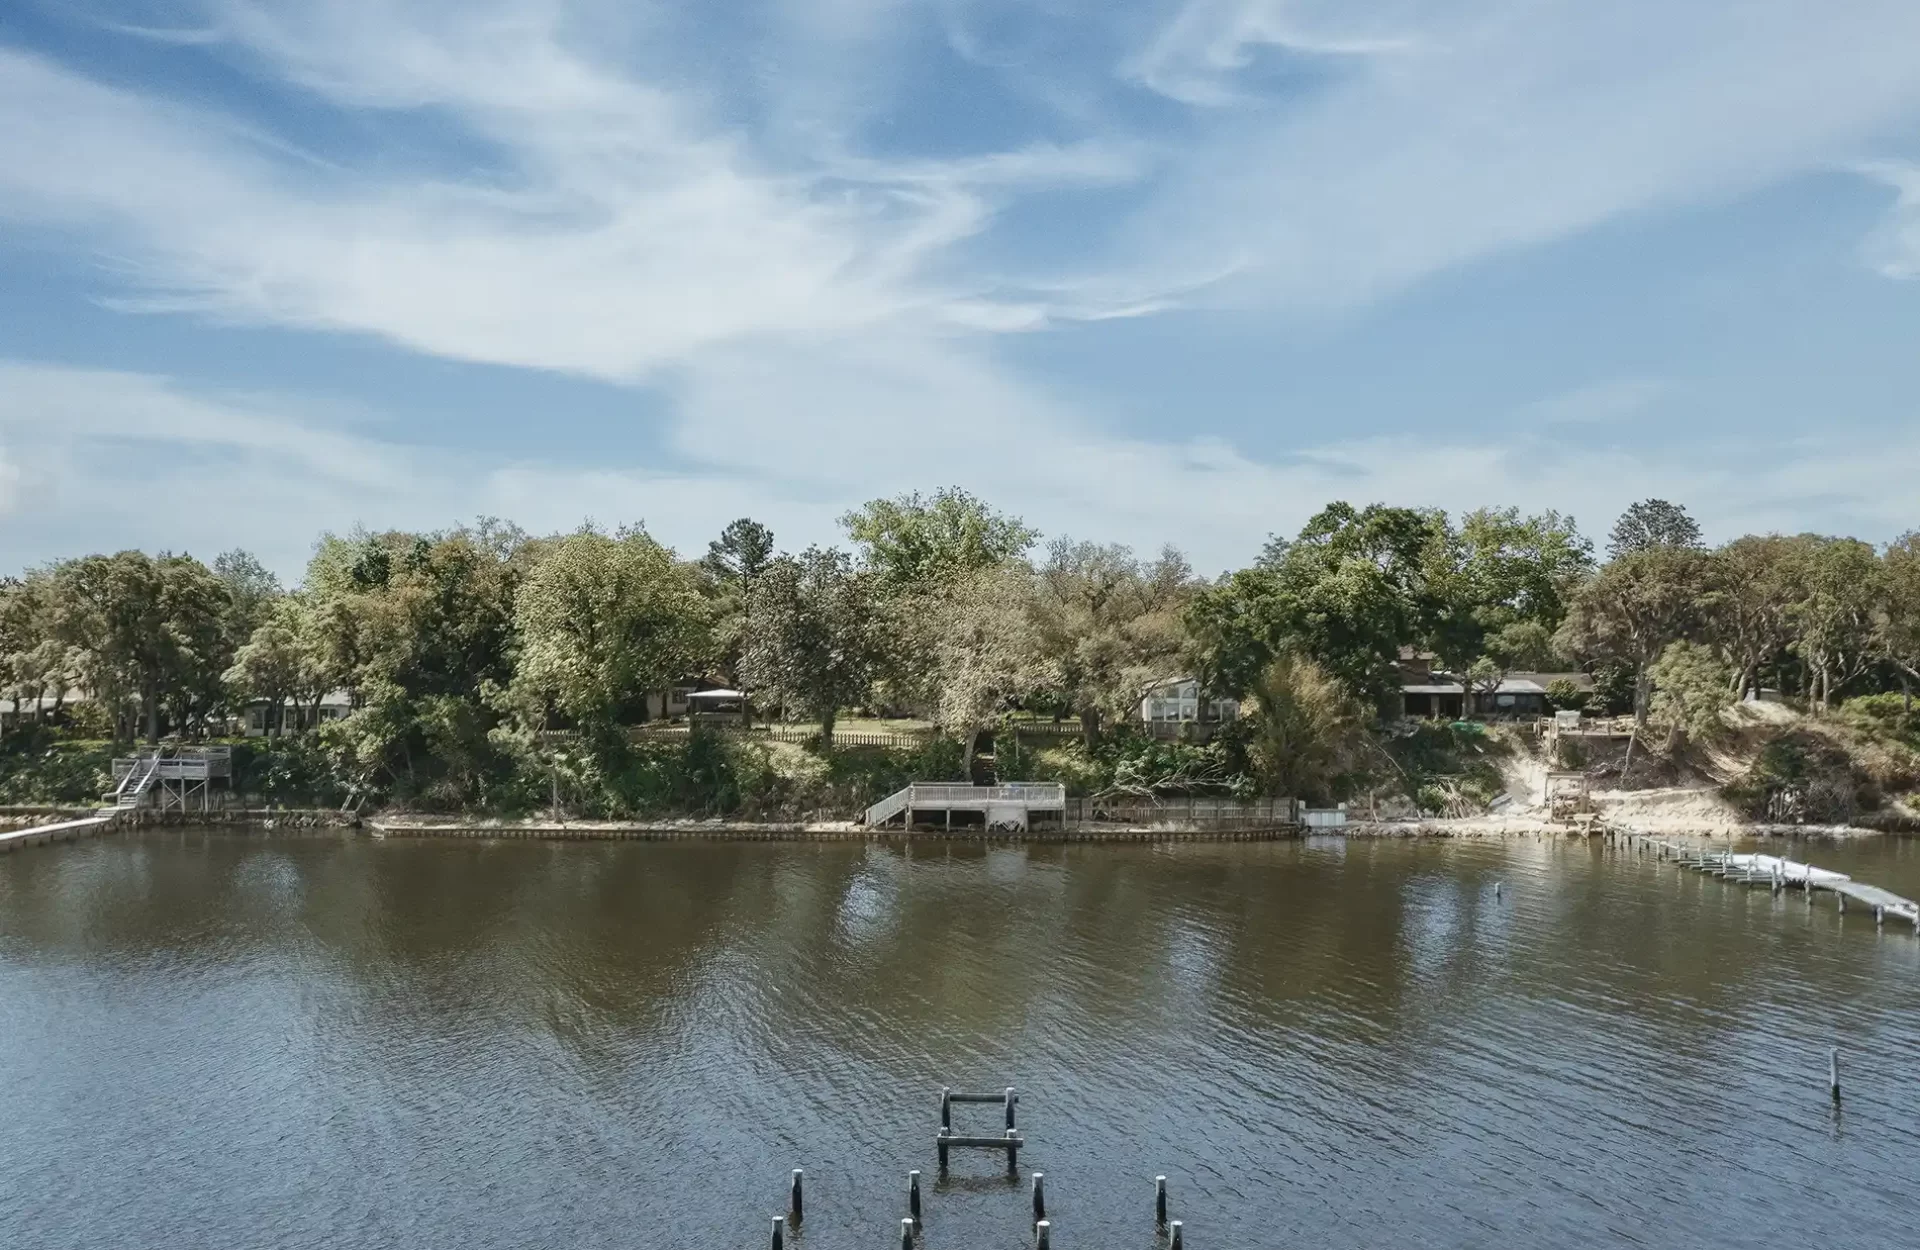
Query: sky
[1142, 271]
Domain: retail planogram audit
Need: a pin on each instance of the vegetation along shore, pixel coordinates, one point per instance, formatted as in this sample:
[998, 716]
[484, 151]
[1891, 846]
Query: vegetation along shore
[1422, 672]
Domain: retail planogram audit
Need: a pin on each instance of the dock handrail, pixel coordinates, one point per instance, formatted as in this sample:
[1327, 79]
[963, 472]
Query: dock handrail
[1040, 795]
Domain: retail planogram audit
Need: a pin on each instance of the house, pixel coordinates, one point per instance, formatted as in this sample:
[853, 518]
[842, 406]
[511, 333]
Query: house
[1167, 704]
[1434, 694]
[677, 700]
[258, 717]
[21, 711]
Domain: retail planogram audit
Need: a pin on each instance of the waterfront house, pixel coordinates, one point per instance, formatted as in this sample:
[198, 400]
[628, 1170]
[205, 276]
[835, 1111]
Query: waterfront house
[1167, 705]
[1440, 695]
[259, 717]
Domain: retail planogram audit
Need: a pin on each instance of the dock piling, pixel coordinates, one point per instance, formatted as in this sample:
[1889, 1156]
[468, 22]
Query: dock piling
[796, 1200]
[1013, 1153]
[1159, 1202]
[913, 1196]
[1010, 1101]
[1039, 1197]
[1043, 1236]
[779, 1234]
[1496, 891]
[945, 1134]
[906, 1235]
[1177, 1240]
[1833, 1073]
[946, 1107]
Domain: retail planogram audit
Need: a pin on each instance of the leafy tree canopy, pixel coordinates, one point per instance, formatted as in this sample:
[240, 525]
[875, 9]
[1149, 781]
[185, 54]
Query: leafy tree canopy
[1650, 524]
[912, 542]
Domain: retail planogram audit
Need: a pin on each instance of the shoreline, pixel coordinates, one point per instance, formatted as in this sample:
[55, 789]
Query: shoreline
[406, 826]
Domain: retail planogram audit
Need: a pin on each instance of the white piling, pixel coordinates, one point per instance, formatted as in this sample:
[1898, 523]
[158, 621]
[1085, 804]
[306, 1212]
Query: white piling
[1159, 1202]
[1178, 1240]
[779, 1233]
[1043, 1236]
[1039, 1197]
[906, 1235]
[1833, 1074]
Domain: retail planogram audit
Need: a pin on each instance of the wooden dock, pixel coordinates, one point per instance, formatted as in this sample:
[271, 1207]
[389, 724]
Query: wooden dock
[63, 831]
[1779, 873]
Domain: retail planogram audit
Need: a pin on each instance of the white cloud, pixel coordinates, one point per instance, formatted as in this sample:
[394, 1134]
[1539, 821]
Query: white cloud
[1893, 250]
[1196, 55]
[97, 460]
[1502, 124]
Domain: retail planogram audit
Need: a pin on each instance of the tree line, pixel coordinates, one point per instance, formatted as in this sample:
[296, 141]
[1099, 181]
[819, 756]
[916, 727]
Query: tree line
[456, 649]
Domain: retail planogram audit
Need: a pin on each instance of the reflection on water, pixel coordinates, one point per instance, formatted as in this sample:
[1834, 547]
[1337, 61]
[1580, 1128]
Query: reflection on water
[221, 1041]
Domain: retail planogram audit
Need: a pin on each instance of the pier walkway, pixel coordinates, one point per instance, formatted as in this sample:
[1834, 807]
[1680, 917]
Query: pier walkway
[63, 831]
[1780, 873]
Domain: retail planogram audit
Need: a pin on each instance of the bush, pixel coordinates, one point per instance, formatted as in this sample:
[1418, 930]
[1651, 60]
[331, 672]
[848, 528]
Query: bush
[1564, 696]
[36, 767]
[292, 771]
[1126, 763]
[1885, 717]
[1801, 777]
[1448, 771]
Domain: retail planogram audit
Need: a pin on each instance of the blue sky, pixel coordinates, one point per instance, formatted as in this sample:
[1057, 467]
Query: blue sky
[1140, 270]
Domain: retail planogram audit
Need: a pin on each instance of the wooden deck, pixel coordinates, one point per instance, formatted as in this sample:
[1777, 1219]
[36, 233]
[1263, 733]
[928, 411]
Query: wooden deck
[1010, 805]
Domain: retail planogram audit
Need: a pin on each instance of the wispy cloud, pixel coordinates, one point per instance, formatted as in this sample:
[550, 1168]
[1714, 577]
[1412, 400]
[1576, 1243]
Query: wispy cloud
[1513, 123]
[1893, 249]
[272, 471]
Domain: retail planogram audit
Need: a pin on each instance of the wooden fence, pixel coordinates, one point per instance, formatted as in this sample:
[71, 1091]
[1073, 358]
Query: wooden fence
[1190, 812]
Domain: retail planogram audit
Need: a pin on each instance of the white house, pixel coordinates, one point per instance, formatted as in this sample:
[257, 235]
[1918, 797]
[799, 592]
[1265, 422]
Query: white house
[1177, 701]
[258, 717]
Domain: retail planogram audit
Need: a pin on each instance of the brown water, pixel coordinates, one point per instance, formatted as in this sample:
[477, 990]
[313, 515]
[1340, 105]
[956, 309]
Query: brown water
[214, 1040]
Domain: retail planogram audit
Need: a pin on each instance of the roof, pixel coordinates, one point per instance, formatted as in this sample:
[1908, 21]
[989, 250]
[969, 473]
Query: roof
[1512, 685]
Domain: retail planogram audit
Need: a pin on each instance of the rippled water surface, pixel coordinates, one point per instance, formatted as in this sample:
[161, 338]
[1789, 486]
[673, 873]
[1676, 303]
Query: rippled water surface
[213, 1040]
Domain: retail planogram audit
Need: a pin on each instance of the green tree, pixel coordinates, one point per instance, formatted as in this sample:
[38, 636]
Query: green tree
[1757, 580]
[818, 642]
[419, 629]
[732, 563]
[252, 590]
[146, 631]
[1652, 524]
[1109, 624]
[1307, 731]
[1897, 624]
[197, 609]
[912, 542]
[1834, 615]
[267, 667]
[285, 660]
[1354, 588]
[601, 620]
[1634, 607]
[987, 653]
[739, 554]
[1690, 690]
[36, 661]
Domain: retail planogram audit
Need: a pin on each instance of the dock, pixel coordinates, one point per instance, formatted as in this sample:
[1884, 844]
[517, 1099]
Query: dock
[1011, 808]
[1780, 873]
[62, 831]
